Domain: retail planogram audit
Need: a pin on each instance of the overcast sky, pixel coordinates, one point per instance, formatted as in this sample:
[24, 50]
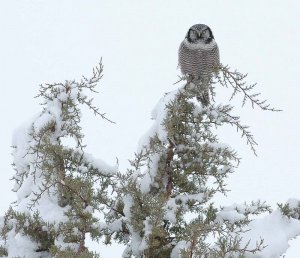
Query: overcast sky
[52, 41]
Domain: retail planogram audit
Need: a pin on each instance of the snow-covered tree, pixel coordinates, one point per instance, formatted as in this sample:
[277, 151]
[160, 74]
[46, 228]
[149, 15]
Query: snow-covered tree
[165, 204]
[162, 207]
[60, 188]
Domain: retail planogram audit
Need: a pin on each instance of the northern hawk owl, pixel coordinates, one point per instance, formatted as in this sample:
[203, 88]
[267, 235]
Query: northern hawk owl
[198, 57]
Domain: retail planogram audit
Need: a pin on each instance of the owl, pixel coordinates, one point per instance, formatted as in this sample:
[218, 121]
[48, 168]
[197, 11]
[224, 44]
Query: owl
[198, 58]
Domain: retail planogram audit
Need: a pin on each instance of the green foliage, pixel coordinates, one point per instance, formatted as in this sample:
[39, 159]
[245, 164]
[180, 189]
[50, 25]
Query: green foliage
[165, 199]
[61, 174]
[3, 251]
[71, 253]
[33, 226]
[163, 204]
[290, 210]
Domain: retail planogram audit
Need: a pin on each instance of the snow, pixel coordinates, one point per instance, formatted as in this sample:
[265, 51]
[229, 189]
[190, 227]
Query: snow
[53, 26]
[147, 231]
[128, 202]
[47, 207]
[42, 121]
[231, 216]
[59, 242]
[180, 246]
[116, 225]
[37, 195]
[102, 166]
[276, 231]
[171, 206]
[259, 228]
[22, 246]
[148, 176]
[158, 115]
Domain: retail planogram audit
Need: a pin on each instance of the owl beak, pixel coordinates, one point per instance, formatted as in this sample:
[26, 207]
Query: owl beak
[199, 34]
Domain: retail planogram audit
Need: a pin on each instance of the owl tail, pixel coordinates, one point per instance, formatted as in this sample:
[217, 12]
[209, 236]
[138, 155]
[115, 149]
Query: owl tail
[204, 98]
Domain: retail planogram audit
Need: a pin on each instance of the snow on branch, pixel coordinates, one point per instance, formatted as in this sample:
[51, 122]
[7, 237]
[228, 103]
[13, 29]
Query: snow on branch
[56, 179]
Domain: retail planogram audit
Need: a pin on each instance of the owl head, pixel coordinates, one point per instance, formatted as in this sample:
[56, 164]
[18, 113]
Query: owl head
[199, 33]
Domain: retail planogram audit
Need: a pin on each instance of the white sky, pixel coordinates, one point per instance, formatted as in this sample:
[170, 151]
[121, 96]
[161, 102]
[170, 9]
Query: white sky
[50, 41]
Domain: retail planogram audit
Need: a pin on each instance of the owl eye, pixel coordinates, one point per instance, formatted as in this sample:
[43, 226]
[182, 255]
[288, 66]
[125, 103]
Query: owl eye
[193, 35]
[203, 33]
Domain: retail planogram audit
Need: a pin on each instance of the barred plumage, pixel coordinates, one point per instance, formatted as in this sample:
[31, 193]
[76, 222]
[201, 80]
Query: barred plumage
[198, 62]
[198, 57]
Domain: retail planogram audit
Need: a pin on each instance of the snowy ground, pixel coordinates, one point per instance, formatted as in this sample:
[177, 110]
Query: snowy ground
[50, 41]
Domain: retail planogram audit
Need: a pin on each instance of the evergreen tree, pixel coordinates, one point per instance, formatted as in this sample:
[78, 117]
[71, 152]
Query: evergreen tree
[162, 207]
[165, 203]
[59, 186]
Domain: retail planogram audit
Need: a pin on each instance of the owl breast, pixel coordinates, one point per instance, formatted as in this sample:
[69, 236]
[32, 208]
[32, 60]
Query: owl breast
[198, 60]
